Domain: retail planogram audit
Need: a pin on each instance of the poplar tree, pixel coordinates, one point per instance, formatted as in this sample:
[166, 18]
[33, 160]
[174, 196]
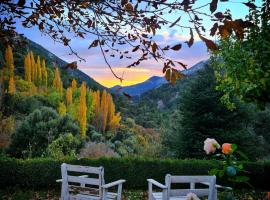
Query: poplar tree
[10, 66]
[32, 60]
[39, 75]
[57, 83]
[27, 68]
[69, 97]
[44, 73]
[104, 110]
[11, 85]
[83, 110]
[74, 84]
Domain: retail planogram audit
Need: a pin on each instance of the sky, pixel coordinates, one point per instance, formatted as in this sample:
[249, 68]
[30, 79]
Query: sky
[96, 67]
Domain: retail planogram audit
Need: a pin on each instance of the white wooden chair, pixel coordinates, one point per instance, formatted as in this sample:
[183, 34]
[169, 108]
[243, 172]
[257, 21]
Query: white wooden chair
[87, 187]
[180, 194]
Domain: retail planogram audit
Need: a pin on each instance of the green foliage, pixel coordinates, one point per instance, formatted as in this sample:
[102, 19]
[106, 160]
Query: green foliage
[201, 115]
[243, 66]
[64, 146]
[54, 98]
[38, 130]
[42, 172]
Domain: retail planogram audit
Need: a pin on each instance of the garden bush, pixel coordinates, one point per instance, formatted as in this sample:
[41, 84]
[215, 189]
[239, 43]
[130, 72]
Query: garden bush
[41, 173]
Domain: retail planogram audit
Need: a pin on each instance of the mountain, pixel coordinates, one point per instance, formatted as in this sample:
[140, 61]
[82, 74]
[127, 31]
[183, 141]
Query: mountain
[23, 45]
[153, 82]
[140, 88]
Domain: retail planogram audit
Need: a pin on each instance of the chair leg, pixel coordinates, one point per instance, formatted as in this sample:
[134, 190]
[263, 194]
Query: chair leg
[119, 192]
[150, 191]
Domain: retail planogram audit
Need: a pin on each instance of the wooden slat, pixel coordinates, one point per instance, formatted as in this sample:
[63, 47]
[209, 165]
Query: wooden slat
[86, 169]
[183, 192]
[83, 180]
[191, 179]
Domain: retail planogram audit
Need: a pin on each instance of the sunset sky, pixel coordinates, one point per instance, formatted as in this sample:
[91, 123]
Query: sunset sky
[96, 68]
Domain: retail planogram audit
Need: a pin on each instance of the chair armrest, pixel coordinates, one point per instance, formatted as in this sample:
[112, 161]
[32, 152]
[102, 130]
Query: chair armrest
[152, 181]
[109, 185]
[218, 186]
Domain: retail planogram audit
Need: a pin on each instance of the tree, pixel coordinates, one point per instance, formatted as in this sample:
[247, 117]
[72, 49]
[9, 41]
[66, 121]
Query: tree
[201, 115]
[243, 71]
[69, 96]
[74, 84]
[39, 75]
[32, 58]
[83, 110]
[62, 110]
[38, 130]
[104, 110]
[105, 117]
[57, 83]
[44, 74]
[10, 66]
[27, 67]
[130, 25]
[11, 85]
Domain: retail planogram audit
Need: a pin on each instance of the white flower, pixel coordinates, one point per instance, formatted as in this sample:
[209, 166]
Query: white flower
[192, 196]
[210, 145]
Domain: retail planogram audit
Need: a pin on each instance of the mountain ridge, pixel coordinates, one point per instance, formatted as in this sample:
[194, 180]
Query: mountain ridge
[153, 82]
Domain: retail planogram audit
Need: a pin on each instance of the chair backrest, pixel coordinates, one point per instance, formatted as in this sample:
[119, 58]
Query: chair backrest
[192, 181]
[71, 179]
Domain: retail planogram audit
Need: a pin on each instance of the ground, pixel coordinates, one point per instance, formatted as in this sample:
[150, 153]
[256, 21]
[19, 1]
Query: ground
[17, 194]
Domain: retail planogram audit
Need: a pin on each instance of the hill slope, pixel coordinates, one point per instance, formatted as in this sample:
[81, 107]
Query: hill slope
[23, 45]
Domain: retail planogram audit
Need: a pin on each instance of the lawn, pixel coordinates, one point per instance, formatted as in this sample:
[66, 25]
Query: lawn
[17, 194]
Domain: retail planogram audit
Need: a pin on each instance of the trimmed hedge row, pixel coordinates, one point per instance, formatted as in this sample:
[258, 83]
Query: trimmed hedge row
[42, 173]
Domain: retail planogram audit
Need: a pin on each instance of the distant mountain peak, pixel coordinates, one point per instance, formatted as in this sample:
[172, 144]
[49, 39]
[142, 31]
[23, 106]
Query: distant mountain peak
[154, 82]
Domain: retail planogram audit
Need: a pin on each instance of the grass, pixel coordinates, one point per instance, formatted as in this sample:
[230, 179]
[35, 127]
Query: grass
[18, 194]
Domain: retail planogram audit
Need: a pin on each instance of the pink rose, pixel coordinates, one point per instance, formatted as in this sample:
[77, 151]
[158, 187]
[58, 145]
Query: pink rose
[210, 145]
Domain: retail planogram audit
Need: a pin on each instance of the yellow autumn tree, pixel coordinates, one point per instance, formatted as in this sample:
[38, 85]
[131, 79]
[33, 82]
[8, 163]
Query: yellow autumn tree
[32, 60]
[113, 119]
[44, 74]
[96, 110]
[39, 75]
[10, 66]
[104, 110]
[74, 84]
[69, 98]
[27, 68]
[57, 83]
[9, 60]
[83, 110]
[62, 110]
[11, 85]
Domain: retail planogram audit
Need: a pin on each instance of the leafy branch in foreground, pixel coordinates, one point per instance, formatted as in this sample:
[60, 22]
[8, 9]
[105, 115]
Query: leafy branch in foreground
[123, 29]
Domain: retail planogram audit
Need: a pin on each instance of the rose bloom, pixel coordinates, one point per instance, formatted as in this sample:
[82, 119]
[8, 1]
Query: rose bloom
[191, 196]
[226, 148]
[210, 145]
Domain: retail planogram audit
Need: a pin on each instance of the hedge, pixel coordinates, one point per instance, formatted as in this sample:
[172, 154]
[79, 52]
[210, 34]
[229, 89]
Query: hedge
[41, 173]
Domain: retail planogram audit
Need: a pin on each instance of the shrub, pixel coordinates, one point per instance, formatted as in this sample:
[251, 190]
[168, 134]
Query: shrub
[38, 130]
[65, 146]
[96, 150]
[42, 173]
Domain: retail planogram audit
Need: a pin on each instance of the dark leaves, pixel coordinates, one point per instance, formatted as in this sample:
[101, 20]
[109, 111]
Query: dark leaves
[94, 44]
[177, 47]
[127, 95]
[250, 5]
[191, 40]
[136, 48]
[174, 23]
[214, 29]
[213, 5]
[209, 43]
[21, 3]
[72, 65]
